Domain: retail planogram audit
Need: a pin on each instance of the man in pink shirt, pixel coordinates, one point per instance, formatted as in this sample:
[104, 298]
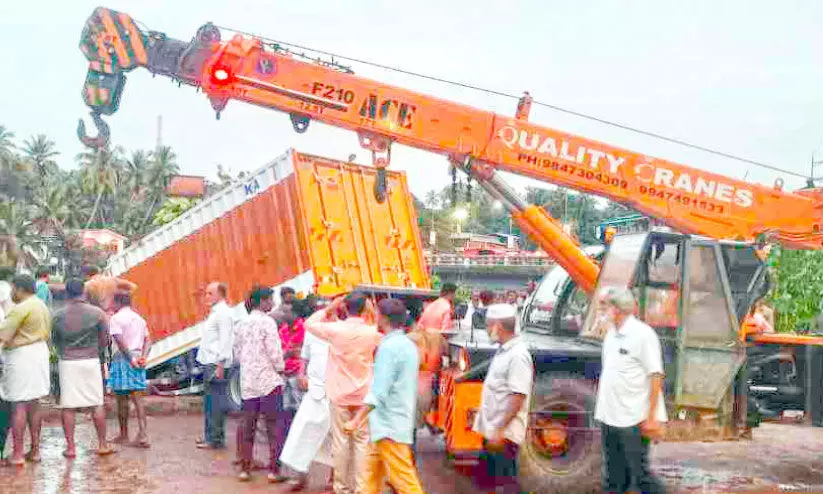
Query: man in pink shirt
[128, 367]
[352, 343]
[438, 314]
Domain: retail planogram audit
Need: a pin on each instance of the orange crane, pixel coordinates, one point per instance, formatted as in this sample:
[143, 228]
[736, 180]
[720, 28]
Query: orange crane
[476, 141]
[712, 277]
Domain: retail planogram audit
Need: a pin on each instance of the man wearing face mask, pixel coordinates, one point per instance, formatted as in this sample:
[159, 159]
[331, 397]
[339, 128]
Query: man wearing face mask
[630, 405]
[503, 416]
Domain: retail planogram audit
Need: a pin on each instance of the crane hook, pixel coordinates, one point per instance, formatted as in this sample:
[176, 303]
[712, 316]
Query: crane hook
[103, 133]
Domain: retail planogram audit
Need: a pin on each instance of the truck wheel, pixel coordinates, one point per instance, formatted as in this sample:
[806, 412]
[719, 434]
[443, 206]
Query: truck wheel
[562, 448]
[235, 400]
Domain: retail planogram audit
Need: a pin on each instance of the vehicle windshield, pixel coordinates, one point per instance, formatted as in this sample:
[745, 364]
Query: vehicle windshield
[537, 314]
[618, 271]
[541, 304]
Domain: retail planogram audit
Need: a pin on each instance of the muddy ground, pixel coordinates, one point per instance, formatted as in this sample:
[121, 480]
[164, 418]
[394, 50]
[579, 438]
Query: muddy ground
[780, 457]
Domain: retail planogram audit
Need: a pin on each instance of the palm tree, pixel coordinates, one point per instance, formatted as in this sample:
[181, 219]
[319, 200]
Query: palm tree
[432, 200]
[135, 174]
[40, 150]
[6, 144]
[12, 169]
[163, 167]
[51, 209]
[100, 170]
[18, 244]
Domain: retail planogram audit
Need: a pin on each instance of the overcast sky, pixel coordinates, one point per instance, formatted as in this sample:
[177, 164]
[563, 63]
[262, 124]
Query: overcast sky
[743, 76]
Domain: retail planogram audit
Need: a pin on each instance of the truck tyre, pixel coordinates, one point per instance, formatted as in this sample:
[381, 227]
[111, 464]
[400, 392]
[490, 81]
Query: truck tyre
[235, 401]
[561, 452]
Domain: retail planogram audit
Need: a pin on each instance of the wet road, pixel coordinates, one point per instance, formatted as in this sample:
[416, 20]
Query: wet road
[173, 465]
[784, 457]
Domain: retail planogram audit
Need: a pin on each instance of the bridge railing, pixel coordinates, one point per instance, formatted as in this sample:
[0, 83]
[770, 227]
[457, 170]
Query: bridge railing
[458, 260]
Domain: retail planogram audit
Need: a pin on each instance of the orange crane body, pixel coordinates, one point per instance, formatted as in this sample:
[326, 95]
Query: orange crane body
[480, 142]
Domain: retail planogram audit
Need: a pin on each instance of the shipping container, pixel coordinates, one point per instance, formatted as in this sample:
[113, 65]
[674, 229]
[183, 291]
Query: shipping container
[301, 221]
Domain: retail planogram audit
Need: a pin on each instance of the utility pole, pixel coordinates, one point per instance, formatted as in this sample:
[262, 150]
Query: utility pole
[159, 143]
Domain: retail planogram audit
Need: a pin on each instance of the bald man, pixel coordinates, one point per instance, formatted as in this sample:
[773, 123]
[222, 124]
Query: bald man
[215, 354]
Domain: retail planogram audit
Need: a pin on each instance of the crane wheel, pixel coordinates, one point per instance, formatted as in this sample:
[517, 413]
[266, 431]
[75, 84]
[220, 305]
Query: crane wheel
[561, 453]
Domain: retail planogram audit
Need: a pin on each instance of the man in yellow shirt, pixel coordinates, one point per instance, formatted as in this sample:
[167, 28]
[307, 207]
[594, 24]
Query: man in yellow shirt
[23, 338]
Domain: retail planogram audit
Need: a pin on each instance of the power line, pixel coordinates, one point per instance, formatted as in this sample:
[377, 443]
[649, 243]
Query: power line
[557, 108]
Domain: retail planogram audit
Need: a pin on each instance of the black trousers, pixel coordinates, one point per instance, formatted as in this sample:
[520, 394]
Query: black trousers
[499, 469]
[626, 462]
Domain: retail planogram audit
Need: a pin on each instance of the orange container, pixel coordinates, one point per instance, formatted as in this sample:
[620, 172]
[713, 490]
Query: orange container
[303, 221]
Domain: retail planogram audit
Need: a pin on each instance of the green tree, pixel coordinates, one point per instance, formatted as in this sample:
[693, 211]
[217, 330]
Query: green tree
[163, 165]
[172, 209]
[136, 175]
[7, 146]
[51, 209]
[100, 171]
[18, 236]
[40, 151]
[797, 288]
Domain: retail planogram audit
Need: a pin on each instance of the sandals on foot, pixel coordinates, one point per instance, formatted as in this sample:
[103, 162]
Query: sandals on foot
[276, 478]
[68, 455]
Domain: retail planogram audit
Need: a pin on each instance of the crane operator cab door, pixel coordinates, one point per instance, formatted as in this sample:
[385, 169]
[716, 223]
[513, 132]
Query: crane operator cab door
[682, 289]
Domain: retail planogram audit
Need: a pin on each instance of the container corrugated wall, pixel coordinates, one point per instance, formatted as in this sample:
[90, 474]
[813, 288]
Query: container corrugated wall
[300, 215]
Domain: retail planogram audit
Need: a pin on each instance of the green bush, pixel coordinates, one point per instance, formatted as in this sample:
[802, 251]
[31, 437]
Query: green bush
[797, 288]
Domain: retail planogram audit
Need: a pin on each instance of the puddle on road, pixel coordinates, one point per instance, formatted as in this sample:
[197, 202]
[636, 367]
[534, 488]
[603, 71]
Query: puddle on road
[115, 474]
[688, 478]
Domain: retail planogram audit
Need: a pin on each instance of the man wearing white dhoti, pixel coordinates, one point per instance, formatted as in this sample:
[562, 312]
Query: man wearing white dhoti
[309, 438]
[25, 379]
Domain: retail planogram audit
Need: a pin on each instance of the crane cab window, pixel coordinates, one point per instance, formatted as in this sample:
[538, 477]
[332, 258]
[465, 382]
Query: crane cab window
[659, 282]
[618, 270]
[664, 260]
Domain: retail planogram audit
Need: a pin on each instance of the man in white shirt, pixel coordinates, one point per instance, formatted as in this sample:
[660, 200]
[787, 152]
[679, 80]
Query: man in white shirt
[215, 354]
[630, 406]
[504, 408]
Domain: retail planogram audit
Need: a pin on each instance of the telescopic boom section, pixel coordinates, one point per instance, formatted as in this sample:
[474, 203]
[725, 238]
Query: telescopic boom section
[247, 69]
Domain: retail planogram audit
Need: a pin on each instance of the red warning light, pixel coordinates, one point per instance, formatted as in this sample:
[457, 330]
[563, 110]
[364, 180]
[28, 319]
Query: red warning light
[220, 75]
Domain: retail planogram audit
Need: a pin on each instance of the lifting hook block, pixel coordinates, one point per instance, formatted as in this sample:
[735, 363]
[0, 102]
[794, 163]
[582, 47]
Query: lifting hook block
[381, 185]
[102, 138]
[380, 148]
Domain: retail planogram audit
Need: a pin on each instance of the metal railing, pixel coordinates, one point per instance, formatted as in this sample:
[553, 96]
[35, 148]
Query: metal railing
[459, 260]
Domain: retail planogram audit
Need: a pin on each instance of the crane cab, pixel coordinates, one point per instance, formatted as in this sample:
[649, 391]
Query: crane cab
[694, 292]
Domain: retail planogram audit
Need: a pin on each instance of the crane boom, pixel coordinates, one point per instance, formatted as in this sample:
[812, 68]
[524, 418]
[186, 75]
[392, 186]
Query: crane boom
[477, 141]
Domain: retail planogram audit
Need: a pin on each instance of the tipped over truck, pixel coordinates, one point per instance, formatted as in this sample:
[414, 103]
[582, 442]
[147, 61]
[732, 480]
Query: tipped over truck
[302, 221]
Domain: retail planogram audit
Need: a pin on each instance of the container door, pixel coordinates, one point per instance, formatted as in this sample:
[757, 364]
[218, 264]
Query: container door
[352, 238]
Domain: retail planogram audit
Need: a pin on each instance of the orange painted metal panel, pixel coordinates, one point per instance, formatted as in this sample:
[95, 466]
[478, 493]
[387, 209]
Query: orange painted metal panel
[352, 238]
[787, 339]
[460, 437]
[320, 217]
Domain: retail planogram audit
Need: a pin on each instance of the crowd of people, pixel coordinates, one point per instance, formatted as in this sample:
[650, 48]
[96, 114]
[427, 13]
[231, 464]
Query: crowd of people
[345, 384]
[78, 336]
[348, 384]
